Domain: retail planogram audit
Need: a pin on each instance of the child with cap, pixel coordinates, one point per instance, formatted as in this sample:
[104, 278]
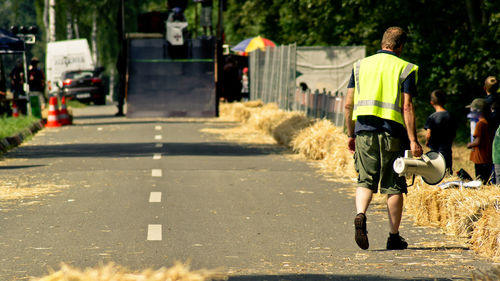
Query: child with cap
[482, 143]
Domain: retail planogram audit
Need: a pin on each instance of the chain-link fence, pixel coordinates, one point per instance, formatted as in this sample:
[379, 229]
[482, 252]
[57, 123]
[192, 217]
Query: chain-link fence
[275, 73]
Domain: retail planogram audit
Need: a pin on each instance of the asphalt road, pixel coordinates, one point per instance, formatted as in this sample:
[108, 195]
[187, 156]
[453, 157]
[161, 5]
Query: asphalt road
[146, 193]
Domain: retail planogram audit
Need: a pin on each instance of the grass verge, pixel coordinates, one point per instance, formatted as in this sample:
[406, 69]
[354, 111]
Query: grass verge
[10, 126]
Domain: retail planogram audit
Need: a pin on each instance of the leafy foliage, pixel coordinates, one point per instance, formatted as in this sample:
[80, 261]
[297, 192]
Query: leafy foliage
[455, 43]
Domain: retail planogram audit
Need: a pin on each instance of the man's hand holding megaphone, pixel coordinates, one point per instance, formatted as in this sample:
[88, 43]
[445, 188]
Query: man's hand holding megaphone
[416, 149]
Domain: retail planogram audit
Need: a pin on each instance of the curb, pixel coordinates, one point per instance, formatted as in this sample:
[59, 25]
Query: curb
[13, 141]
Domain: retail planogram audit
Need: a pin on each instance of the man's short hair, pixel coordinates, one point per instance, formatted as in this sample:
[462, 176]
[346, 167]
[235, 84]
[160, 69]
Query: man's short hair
[491, 84]
[394, 37]
[438, 97]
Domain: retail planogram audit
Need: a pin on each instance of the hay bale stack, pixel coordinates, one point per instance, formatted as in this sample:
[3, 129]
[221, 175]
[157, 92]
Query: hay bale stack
[423, 203]
[267, 118]
[319, 140]
[455, 210]
[235, 112]
[485, 239]
[339, 161]
[472, 214]
[290, 126]
[112, 272]
[464, 208]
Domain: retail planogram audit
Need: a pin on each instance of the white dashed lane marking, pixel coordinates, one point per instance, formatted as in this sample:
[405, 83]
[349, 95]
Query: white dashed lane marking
[156, 173]
[155, 197]
[154, 232]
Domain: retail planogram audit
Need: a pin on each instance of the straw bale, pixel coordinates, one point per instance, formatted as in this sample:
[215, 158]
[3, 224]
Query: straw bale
[285, 131]
[455, 210]
[236, 112]
[423, 203]
[339, 161]
[485, 238]
[112, 272]
[318, 140]
[466, 206]
[267, 118]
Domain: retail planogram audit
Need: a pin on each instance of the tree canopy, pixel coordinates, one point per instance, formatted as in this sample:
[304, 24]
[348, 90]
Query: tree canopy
[455, 43]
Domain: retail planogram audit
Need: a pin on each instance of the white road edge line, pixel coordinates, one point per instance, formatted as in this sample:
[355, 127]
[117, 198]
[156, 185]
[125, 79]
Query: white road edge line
[154, 232]
[155, 197]
[157, 156]
[156, 173]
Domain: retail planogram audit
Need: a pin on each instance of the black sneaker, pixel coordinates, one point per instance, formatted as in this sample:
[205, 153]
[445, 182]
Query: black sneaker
[360, 228]
[396, 242]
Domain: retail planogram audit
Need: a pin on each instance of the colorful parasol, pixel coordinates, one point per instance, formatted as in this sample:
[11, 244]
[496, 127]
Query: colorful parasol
[252, 44]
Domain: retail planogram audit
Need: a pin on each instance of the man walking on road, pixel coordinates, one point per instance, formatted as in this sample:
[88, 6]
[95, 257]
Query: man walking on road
[380, 122]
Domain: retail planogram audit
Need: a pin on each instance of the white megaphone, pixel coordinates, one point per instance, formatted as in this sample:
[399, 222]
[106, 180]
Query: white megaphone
[431, 167]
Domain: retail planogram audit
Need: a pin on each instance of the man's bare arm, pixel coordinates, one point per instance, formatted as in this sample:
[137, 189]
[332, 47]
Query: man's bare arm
[349, 123]
[409, 119]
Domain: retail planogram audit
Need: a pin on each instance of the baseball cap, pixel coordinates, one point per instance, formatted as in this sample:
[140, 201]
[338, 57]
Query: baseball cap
[478, 104]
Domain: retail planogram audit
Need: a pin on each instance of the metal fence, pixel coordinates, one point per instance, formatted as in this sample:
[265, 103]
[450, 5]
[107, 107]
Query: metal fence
[273, 79]
[321, 105]
[272, 75]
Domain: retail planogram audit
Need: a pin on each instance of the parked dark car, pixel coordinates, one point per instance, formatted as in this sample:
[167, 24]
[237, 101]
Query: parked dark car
[85, 86]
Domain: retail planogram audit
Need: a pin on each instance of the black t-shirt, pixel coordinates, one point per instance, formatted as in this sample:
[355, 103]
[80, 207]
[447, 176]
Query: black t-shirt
[443, 129]
[375, 124]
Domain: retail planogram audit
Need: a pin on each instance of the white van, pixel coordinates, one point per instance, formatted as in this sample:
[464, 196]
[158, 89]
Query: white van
[63, 56]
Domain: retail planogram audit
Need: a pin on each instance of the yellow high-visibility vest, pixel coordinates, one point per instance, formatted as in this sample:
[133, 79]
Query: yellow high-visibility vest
[378, 81]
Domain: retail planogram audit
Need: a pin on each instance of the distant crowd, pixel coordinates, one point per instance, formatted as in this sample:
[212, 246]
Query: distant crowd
[36, 83]
[484, 119]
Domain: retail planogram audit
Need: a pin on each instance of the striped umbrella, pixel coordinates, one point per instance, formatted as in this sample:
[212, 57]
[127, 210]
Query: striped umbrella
[252, 44]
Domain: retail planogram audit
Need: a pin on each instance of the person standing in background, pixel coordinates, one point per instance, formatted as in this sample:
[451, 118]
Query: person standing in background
[440, 129]
[36, 81]
[482, 144]
[245, 90]
[17, 87]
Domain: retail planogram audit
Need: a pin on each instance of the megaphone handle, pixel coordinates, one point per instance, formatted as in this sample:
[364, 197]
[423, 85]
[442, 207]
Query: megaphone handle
[413, 180]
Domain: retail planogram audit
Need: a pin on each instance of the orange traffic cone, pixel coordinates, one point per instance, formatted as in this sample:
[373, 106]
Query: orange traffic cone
[52, 119]
[15, 110]
[63, 113]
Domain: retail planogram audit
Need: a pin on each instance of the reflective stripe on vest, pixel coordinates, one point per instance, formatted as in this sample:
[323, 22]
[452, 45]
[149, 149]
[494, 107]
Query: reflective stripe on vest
[394, 106]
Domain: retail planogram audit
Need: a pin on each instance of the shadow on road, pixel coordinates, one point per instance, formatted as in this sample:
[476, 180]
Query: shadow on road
[116, 150]
[19, 167]
[321, 277]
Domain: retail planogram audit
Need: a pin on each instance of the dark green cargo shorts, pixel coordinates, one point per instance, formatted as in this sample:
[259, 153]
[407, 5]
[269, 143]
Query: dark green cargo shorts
[373, 160]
